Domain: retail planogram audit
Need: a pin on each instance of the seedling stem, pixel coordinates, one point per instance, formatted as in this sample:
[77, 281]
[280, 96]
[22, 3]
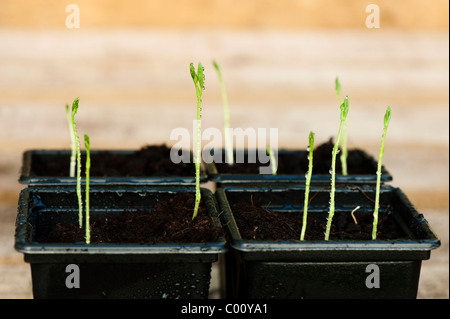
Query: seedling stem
[273, 161]
[308, 183]
[88, 168]
[344, 152]
[198, 79]
[344, 112]
[78, 155]
[226, 117]
[73, 147]
[387, 118]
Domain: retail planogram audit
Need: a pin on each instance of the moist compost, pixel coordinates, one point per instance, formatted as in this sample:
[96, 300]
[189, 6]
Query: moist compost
[255, 222]
[292, 164]
[169, 222]
[149, 161]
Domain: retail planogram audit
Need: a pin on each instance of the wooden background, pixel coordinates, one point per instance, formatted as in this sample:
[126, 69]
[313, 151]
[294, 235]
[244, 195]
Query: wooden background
[129, 64]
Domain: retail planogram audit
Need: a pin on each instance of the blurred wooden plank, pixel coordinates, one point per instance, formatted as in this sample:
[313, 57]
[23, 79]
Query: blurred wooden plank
[413, 14]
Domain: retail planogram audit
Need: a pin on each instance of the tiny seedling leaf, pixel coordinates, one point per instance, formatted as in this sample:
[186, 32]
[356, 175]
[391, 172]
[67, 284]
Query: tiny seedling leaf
[200, 75]
[193, 73]
[338, 88]
[387, 116]
[344, 109]
[216, 66]
[75, 106]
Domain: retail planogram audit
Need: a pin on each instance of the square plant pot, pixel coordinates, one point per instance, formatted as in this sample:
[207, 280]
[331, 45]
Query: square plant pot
[112, 266]
[349, 265]
[292, 167]
[148, 166]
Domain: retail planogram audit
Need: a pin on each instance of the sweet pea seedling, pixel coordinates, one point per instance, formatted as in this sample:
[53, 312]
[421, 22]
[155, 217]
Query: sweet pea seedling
[387, 118]
[273, 161]
[88, 168]
[344, 152]
[226, 118]
[344, 112]
[198, 79]
[78, 156]
[73, 146]
[308, 183]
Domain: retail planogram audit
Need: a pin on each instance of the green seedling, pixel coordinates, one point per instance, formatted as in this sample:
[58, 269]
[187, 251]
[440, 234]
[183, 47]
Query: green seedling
[338, 89]
[344, 152]
[73, 147]
[78, 156]
[226, 118]
[198, 78]
[88, 168]
[308, 183]
[387, 118]
[273, 161]
[344, 112]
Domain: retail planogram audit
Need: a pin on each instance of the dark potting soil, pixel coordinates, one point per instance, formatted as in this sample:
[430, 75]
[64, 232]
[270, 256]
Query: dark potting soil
[294, 165]
[255, 222]
[153, 160]
[169, 222]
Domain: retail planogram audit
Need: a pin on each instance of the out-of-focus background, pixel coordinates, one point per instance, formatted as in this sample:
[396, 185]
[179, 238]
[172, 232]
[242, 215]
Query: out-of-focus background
[128, 61]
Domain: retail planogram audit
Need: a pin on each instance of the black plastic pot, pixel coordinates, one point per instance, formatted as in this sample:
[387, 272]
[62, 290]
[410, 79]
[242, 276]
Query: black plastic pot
[319, 268]
[33, 176]
[295, 156]
[111, 270]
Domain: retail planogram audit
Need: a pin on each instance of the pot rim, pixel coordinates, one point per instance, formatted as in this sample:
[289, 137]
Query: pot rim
[237, 242]
[24, 244]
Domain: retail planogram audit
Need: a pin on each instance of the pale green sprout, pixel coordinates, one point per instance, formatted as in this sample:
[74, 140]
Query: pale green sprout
[344, 112]
[198, 79]
[226, 117]
[273, 161]
[88, 168]
[344, 152]
[387, 118]
[338, 89]
[73, 147]
[308, 183]
[78, 155]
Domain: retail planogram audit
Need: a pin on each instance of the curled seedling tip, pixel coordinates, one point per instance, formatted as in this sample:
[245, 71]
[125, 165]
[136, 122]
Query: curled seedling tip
[216, 66]
[344, 109]
[193, 73]
[338, 88]
[387, 116]
[75, 106]
[200, 75]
